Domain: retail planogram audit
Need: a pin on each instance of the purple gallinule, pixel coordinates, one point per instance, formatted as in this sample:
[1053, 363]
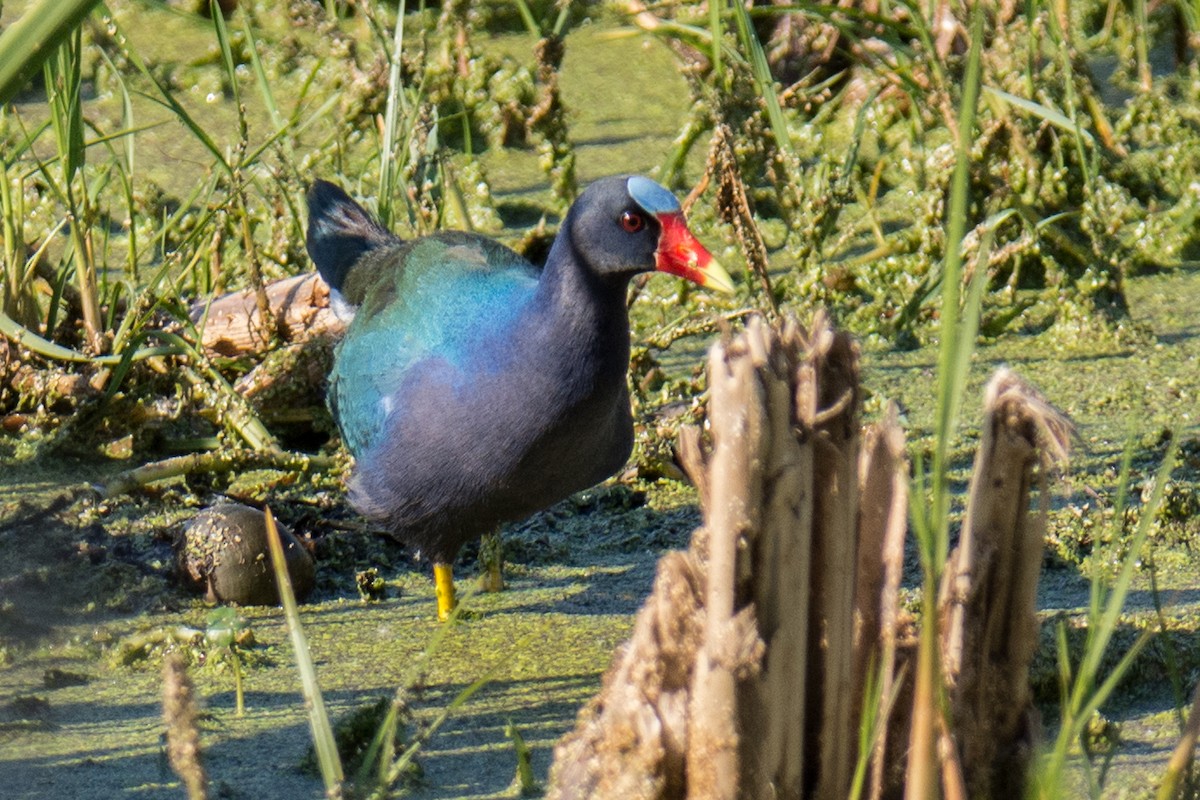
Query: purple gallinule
[472, 387]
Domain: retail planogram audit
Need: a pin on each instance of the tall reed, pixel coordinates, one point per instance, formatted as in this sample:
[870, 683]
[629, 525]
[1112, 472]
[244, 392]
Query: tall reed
[64, 86]
[28, 42]
[930, 505]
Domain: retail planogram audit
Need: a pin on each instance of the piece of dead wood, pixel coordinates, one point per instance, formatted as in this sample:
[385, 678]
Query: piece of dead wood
[722, 690]
[233, 325]
[988, 598]
[747, 673]
[288, 383]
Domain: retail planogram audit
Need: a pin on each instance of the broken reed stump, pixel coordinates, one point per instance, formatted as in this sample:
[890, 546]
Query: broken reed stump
[987, 602]
[752, 661]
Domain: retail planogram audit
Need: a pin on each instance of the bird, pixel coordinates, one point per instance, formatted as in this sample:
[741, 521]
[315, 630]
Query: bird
[473, 388]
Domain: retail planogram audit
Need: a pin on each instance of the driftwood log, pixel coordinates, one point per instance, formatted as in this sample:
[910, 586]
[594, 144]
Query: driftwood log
[233, 325]
[296, 343]
[749, 665]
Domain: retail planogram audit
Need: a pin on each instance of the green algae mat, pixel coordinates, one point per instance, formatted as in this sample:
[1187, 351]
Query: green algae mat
[200, 138]
[578, 574]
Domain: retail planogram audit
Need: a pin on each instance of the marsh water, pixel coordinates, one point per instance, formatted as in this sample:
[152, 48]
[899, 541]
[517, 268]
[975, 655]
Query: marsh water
[81, 577]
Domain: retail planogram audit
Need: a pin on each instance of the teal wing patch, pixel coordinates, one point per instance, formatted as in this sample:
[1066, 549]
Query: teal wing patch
[436, 299]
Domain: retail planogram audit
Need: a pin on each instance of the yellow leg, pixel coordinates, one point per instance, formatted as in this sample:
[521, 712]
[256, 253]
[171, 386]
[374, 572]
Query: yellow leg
[443, 583]
[491, 563]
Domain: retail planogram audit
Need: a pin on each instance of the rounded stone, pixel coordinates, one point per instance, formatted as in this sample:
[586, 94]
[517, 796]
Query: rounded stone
[223, 551]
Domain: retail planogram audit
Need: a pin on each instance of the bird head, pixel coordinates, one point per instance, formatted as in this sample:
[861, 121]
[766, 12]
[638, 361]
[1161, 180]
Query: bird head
[678, 252]
[624, 225]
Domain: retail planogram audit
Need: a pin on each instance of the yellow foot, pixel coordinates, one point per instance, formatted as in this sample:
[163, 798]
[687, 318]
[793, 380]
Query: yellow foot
[491, 563]
[443, 584]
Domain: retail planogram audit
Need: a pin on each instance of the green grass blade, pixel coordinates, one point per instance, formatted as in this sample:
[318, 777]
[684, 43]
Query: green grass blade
[1042, 112]
[763, 77]
[167, 100]
[1169, 651]
[931, 512]
[716, 29]
[382, 743]
[126, 171]
[226, 52]
[856, 139]
[378, 756]
[1102, 692]
[955, 347]
[27, 43]
[876, 710]
[1120, 590]
[23, 337]
[260, 77]
[1063, 652]
[401, 764]
[328, 761]
[1085, 695]
[699, 38]
[388, 169]
[133, 322]
[1063, 49]
[64, 80]
[560, 22]
[527, 19]
[973, 307]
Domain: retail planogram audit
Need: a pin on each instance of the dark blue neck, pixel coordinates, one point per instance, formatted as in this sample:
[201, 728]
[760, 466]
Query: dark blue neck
[575, 294]
[583, 315]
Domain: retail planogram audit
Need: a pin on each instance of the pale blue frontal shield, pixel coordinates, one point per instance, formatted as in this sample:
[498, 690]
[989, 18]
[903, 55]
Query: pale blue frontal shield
[654, 199]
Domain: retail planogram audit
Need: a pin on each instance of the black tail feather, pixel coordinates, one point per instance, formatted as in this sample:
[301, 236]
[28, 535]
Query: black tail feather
[339, 232]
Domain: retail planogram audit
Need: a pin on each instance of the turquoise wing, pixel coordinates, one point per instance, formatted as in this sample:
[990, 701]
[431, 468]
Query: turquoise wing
[432, 303]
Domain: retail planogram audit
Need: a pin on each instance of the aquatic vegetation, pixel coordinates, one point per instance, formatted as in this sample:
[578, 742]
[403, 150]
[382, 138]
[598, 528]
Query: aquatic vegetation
[354, 733]
[856, 162]
[231, 637]
[142, 176]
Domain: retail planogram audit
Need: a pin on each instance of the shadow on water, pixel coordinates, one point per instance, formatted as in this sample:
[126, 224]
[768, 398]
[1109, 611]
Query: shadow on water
[472, 755]
[578, 574]
[78, 759]
[1180, 336]
[60, 570]
[618, 589]
[262, 752]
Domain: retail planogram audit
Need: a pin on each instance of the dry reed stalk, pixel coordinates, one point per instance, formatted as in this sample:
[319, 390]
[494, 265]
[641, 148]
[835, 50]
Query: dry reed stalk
[780, 564]
[987, 601]
[708, 699]
[832, 416]
[735, 488]
[882, 525]
[747, 671]
[183, 735]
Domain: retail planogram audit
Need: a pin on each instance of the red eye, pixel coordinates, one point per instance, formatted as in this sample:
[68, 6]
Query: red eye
[632, 222]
